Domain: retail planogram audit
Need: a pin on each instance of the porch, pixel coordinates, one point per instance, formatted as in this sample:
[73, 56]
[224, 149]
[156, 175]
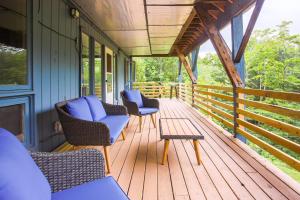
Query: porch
[230, 169]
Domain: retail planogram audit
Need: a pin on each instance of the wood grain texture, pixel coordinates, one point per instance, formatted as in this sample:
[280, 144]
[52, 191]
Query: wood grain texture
[230, 169]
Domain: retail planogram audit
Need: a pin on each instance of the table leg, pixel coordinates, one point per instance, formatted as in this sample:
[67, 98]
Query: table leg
[197, 151]
[165, 154]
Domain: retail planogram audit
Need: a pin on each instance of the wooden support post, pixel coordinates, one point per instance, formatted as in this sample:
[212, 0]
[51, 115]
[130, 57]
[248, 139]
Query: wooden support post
[250, 27]
[237, 37]
[187, 66]
[165, 153]
[107, 158]
[221, 48]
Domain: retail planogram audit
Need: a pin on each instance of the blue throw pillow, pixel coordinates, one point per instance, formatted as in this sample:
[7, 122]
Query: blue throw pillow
[135, 96]
[20, 177]
[96, 107]
[79, 109]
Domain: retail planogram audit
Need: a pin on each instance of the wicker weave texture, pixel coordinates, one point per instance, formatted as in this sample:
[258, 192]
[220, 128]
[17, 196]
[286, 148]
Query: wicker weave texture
[68, 169]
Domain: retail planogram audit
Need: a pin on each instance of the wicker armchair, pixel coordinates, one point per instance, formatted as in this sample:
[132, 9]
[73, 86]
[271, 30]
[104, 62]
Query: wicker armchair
[133, 108]
[55, 176]
[89, 133]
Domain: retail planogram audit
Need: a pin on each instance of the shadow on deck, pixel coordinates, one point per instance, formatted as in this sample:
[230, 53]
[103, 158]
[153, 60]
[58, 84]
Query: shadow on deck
[230, 169]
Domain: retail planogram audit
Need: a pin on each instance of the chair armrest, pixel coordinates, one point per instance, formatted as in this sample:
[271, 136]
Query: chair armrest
[132, 107]
[68, 169]
[82, 132]
[111, 109]
[151, 103]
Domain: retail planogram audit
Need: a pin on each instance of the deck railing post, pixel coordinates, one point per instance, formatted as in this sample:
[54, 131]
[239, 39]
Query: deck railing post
[235, 114]
[193, 94]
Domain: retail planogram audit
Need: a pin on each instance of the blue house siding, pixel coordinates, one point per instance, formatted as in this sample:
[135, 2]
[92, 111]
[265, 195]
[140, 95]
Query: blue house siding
[54, 64]
[54, 69]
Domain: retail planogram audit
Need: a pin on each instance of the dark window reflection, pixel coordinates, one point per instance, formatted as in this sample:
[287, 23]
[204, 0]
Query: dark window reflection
[13, 48]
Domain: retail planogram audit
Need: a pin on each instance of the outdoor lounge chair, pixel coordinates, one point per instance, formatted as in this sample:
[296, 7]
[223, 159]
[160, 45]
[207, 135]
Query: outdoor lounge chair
[139, 105]
[74, 175]
[87, 121]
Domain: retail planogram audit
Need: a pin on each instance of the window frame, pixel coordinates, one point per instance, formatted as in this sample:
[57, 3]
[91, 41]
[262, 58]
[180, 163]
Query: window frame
[29, 53]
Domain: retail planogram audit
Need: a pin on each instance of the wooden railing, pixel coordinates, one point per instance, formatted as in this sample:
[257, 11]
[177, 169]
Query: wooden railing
[268, 119]
[153, 89]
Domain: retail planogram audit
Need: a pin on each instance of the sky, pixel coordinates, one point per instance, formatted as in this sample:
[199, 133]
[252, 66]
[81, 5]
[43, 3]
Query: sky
[272, 14]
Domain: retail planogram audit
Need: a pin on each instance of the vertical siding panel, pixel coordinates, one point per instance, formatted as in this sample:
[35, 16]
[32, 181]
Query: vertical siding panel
[54, 66]
[62, 51]
[73, 59]
[37, 71]
[68, 54]
[46, 70]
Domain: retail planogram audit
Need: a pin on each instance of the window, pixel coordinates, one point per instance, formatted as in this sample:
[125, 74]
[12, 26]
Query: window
[13, 43]
[98, 69]
[85, 69]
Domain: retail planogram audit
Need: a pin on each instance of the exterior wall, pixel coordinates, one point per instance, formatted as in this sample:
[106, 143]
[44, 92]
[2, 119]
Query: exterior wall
[54, 63]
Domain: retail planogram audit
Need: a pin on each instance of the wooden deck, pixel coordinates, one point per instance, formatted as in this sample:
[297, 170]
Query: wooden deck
[230, 169]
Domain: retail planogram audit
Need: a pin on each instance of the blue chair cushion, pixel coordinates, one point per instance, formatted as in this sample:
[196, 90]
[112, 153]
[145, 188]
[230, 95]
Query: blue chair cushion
[79, 109]
[20, 177]
[134, 96]
[96, 107]
[147, 111]
[105, 188]
[116, 124]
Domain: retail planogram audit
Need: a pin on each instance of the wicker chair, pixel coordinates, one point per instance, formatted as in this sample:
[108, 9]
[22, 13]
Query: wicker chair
[78, 173]
[133, 108]
[89, 133]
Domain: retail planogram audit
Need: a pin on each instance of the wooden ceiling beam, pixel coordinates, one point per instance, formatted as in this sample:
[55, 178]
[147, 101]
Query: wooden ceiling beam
[221, 48]
[250, 27]
[186, 65]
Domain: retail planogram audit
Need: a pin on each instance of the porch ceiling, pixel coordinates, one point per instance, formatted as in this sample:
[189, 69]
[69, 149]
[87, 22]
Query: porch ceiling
[158, 27]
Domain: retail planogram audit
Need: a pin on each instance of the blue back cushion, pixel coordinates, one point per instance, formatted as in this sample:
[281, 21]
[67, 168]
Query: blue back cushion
[96, 107]
[79, 108]
[135, 96]
[20, 177]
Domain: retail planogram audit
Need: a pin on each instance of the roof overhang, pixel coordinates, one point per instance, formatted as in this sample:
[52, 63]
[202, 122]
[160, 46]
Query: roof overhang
[159, 27]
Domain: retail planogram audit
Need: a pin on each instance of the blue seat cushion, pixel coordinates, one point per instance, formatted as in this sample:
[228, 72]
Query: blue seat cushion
[116, 124]
[134, 96]
[20, 177]
[96, 107]
[105, 188]
[79, 109]
[146, 111]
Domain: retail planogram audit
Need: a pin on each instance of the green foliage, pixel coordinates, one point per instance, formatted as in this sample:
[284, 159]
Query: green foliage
[13, 66]
[157, 69]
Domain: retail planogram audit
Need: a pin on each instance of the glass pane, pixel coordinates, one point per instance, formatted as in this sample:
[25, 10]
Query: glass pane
[13, 52]
[109, 82]
[98, 69]
[85, 71]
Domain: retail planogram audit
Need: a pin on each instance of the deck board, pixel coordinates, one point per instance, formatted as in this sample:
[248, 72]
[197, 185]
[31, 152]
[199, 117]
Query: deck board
[230, 170]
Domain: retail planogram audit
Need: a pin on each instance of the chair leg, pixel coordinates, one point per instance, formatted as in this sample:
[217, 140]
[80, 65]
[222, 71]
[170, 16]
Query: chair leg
[140, 123]
[153, 120]
[165, 153]
[197, 151]
[107, 158]
[123, 135]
